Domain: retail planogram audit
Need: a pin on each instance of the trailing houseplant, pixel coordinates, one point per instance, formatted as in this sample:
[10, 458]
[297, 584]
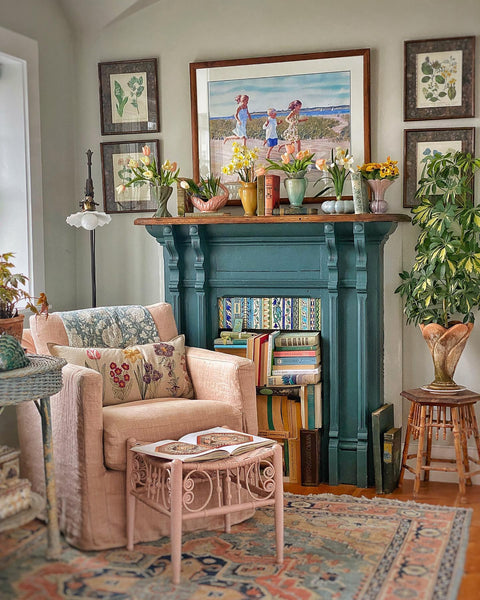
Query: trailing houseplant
[12, 294]
[442, 289]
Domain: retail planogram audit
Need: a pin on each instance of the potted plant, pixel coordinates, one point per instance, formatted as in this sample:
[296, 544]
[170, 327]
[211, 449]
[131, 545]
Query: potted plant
[295, 167]
[12, 294]
[159, 178]
[336, 173]
[379, 177]
[208, 195]
[442, 290]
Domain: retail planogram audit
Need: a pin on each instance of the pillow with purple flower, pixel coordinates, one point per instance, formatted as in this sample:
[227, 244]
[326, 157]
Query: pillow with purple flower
[157, 370]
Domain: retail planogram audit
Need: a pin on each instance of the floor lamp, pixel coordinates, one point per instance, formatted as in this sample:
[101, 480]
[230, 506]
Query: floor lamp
[89, 218]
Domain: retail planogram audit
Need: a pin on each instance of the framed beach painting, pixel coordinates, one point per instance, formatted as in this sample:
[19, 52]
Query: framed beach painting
[439, 79]
[236, 100]
[115, 171]
[420, 143]
[128, 96]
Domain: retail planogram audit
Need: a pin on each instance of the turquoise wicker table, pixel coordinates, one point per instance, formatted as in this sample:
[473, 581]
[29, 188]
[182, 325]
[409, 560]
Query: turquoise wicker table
[37, 382]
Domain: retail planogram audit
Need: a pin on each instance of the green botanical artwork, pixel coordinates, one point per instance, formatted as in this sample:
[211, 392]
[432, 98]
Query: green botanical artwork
[136, 88]
[439, 79]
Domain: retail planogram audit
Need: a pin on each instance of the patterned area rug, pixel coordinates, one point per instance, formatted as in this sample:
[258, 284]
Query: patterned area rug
[336, 547]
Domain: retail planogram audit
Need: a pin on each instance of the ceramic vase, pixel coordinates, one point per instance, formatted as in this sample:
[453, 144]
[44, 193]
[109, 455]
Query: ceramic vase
[215, 202]
[446, 346]
[296, 186]
[379, 187]
[340, 207]
[359, 193]
[161, 194]
[248, 196]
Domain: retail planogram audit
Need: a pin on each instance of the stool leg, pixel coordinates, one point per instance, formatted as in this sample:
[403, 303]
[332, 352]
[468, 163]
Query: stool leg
[476, 435]
[278, 466]
[458, 450]
[426, 476]
[421, 443]
[176, 520]
[464, 412]
[406, 444]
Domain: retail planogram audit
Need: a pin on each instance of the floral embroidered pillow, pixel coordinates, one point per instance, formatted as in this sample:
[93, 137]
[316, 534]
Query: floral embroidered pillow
[157, 370]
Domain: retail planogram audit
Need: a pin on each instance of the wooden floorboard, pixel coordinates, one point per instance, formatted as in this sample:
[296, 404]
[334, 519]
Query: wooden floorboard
[432, 492]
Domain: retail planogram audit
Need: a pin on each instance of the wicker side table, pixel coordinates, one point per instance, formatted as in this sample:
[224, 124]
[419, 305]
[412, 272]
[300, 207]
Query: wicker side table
[37, 382]
[250, 480]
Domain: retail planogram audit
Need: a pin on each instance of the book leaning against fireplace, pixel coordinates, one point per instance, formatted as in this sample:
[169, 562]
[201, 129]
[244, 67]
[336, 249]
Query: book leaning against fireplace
[211, 444]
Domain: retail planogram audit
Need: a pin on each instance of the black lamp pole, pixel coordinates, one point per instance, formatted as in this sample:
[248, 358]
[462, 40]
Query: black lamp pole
[89, 204]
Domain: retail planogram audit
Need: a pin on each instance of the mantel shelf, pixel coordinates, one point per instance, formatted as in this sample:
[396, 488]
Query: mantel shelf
[241, 220]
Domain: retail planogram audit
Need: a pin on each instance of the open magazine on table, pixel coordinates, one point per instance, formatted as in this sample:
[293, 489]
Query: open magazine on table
[210, 444]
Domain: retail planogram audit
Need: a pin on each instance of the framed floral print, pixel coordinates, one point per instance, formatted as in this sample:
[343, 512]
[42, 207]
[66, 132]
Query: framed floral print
[115, 171]
[420, 143]
[318, 101]
[128, 96]
[439, 79]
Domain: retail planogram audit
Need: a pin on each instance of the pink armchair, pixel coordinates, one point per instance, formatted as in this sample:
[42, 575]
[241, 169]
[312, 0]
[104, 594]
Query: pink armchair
[90, 439]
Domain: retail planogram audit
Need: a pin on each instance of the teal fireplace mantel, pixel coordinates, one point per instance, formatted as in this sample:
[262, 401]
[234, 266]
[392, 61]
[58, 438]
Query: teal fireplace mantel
[337, 258]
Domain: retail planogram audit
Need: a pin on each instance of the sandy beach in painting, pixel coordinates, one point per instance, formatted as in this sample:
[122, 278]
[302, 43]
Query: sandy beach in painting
[220, 153]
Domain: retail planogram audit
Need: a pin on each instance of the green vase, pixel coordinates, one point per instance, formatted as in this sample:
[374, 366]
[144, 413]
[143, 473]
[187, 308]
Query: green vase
[296, 186]
[161, 194]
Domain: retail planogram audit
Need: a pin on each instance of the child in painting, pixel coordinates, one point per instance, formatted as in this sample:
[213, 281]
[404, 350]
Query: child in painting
[293, 119]
[241, 116]
[270, 126]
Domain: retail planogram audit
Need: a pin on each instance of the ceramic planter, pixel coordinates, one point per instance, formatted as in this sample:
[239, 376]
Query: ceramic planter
[446, 346]
[212, 205]
[13, 326]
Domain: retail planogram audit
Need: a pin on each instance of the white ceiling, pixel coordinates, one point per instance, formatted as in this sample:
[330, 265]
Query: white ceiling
[94, 15]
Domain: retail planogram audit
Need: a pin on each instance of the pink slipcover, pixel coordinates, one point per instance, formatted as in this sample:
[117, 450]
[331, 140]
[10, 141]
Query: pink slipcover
[89, 440]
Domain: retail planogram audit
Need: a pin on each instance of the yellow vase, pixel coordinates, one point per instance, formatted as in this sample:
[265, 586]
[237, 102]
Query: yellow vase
[248, 196]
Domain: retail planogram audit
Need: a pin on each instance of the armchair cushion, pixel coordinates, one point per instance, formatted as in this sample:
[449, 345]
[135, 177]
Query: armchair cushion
[156, 420]
[138, 372]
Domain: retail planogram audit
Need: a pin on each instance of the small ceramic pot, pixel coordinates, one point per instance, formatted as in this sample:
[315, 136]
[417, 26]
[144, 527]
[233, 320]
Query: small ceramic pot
[212, 205]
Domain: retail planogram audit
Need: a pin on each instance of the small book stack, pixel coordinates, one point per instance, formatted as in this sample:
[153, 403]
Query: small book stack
[295, 358]
[232, 342]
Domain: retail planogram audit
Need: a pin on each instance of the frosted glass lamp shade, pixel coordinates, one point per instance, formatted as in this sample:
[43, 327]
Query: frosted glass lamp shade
[89, 219]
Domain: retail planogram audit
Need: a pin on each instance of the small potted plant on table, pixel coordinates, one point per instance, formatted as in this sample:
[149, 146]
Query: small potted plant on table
[209, 195]
[442, 290]
[12, 294]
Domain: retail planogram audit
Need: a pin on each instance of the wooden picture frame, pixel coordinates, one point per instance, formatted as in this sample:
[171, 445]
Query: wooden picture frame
[439, 79]
[115, 157]
[128, 96]
[420, 142]
[334, 88]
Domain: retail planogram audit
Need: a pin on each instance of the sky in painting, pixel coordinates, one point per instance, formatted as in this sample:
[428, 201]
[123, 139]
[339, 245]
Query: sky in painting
[312, 89]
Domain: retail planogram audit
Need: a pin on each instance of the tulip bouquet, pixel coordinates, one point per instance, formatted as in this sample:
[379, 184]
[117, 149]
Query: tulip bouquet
[145, 171]
[242, 163]
[336, 171]
[292, 164]
[385, 170]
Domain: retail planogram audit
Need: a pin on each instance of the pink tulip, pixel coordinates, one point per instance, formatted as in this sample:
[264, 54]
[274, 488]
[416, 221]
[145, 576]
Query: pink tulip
[120, 188]
[321, 164]
[173, 167]
[290, 148]
[260, 171]
[146, 150]
[285, 158]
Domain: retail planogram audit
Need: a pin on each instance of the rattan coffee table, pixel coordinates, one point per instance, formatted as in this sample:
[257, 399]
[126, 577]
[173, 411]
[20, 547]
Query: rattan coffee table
[251, 480]
[37, 382]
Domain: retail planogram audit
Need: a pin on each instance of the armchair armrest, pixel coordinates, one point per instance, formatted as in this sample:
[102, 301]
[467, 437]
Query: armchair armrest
[231, 379]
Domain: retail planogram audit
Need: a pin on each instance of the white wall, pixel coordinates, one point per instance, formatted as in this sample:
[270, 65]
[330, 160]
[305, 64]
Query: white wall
[184, 31]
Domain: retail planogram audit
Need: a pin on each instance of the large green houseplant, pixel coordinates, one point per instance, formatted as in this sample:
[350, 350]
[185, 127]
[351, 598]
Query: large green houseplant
[442, 290]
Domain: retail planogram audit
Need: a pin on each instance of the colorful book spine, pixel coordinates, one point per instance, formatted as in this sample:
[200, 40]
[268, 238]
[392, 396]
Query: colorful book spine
[294, 378]
[297, 349]
[295, 360]
[260, 195]
[392, 442]
[292, 352]
[272, 193]
[271, 345]
[273, 414]
[279, 369]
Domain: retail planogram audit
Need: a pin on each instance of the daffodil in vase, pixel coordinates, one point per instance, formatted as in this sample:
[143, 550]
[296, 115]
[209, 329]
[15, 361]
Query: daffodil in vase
[295, 167]
[335, 174]
[160, 179]
[379, 177]
[243, 164]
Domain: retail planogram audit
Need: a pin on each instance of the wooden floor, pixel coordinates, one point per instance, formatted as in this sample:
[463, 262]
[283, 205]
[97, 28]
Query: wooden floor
[445, 494]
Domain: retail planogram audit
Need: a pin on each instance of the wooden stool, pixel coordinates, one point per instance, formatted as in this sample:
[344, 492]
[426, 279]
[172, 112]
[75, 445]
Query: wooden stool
[433, 412]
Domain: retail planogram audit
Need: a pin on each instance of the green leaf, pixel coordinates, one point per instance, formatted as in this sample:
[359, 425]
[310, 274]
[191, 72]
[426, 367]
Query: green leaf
[439, 79]
[427, 68]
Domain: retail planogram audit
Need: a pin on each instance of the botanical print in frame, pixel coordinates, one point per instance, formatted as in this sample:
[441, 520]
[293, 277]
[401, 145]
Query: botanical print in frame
[439, 78]
[333, 88]
[115, 171]
[420, 143]
[128, 96]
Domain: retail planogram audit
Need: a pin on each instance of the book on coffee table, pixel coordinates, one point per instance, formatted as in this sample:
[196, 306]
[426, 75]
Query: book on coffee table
[210, 444]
